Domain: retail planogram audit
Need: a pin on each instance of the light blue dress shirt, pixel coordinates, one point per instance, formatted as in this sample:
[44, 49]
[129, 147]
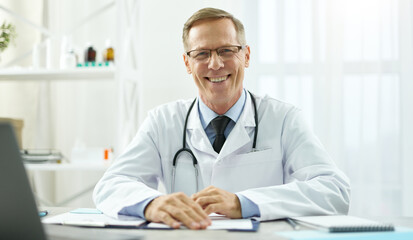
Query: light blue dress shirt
[248, 208]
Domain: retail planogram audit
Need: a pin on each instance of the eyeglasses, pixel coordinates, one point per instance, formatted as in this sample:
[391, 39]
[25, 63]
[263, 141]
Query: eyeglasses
[224, 53]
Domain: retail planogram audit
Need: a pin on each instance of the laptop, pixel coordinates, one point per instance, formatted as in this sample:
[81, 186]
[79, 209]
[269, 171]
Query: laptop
[19, 217]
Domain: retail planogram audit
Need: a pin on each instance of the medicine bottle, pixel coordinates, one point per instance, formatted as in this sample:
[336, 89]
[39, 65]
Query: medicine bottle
[68, 60]
[90, 53]
[109, 53]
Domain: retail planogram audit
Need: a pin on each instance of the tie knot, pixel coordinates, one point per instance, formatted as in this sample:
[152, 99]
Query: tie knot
[220, 123]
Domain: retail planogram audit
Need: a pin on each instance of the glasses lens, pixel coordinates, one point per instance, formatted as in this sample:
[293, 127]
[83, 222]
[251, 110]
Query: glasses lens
[200, 54]
[227, 52]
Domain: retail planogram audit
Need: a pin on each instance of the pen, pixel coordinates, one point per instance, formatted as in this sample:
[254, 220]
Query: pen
[293, 224]
[43, 213]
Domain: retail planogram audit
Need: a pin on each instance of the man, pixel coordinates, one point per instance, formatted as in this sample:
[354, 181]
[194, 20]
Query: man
[288, 172]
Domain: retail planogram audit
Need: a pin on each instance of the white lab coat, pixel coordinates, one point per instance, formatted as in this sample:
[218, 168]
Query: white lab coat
[290, 173]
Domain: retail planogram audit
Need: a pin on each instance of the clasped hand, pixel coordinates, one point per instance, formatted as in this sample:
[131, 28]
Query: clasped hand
[176, 208]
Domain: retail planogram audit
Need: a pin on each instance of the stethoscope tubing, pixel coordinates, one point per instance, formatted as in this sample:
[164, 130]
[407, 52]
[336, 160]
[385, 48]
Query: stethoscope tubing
[194, 160]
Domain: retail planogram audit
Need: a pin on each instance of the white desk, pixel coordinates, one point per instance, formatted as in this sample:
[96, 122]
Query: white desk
[266, 230]
[65, 167]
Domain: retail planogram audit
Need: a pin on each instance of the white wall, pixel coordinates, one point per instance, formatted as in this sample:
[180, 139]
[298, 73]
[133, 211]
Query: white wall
[164, 75]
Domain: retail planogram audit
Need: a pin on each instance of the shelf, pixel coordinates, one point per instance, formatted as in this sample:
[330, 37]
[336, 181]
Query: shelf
[67, 166]
[98, 73]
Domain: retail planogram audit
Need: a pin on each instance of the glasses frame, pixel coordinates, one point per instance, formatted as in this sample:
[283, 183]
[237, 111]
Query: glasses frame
[240, 47]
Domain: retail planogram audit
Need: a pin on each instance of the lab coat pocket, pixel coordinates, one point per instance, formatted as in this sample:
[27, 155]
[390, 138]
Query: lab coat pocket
[251, 170]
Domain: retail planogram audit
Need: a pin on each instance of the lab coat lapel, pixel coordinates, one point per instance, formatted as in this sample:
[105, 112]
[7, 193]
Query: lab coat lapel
[240, 134]
[196, 134]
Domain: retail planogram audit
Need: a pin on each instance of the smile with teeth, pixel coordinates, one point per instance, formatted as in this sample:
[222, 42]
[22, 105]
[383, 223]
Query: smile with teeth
[218, 79]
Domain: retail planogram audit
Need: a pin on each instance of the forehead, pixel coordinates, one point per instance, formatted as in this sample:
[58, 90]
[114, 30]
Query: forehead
[212, 33]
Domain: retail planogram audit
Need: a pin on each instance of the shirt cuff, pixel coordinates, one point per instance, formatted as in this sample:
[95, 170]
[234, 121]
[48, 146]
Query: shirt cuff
[248, 207]
[137, 210]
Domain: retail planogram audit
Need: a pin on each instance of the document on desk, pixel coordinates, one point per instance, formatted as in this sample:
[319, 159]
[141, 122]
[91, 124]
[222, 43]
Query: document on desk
[94, 220]
[219, 222]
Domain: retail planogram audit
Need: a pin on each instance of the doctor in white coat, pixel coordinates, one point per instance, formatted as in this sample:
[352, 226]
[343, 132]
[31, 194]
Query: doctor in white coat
[288, 173]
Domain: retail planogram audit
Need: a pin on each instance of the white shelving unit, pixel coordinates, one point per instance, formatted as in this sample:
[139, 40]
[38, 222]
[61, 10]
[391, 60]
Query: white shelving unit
[67, 166]
[125, 76]
[99, 73]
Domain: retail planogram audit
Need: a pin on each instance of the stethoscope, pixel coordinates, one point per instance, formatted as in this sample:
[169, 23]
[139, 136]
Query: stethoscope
[187, 150]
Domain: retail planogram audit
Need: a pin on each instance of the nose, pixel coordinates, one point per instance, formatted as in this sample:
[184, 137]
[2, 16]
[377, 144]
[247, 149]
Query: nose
[215, 61]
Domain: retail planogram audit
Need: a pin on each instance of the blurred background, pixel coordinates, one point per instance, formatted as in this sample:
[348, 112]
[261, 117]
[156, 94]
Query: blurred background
[347, 64]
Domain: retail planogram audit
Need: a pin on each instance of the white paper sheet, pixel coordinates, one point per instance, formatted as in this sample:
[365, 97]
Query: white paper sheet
[93, 220]
[219, 222]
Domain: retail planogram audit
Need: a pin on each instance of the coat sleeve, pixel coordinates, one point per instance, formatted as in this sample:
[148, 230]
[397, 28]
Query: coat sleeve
[313, 185]
[134, 176]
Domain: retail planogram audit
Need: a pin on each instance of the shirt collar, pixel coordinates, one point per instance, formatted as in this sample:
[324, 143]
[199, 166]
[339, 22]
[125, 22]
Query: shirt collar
[206, 114]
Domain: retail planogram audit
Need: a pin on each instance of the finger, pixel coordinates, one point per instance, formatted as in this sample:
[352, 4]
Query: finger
[182, 216]
[171, 209]
[170, 221]
[214, 208]
[224, 209]
[188, 212]
[195, 211]
[204, 192]
[175, 208]
[204, 222]
[205, 201]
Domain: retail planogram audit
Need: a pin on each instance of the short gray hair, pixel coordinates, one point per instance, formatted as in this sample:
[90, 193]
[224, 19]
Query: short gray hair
[212, 13]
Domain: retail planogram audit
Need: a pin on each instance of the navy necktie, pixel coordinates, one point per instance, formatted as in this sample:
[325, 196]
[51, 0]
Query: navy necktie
[219, 124]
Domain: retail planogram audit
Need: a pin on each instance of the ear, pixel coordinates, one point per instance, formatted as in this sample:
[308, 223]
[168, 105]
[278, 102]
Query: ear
[247, 56]
[187, 65]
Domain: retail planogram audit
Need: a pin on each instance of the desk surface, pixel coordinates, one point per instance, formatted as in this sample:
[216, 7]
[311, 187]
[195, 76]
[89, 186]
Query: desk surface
[267, 230]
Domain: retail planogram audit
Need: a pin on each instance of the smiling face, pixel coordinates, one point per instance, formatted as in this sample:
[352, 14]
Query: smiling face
[219, 81]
